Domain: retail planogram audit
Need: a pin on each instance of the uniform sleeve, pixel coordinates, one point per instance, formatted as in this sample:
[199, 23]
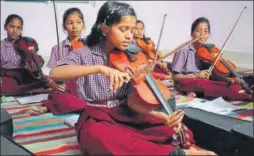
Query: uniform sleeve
[53, 58]
[179, 61]
[75, 58]
[2, 54]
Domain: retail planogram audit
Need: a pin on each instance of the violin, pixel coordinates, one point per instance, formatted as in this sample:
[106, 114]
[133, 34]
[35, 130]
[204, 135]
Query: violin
[213, 55]
[27, 48]
[208, 53]
[148, 46]
[138, 70]
[137, 65]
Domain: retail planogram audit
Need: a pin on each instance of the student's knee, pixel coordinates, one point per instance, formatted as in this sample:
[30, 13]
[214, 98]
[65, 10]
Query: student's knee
[92, 136]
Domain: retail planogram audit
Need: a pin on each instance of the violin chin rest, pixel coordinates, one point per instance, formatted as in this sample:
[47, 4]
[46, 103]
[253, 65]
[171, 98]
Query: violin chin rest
[133, 49]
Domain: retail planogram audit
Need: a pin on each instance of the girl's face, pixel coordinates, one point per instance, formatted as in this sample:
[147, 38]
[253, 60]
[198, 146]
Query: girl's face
[139, 31]
[201, 30]
[74, 26]
[120, 35]
[14, 29]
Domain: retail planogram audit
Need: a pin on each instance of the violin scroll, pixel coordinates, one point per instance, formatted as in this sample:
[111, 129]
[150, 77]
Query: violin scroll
[27, 47]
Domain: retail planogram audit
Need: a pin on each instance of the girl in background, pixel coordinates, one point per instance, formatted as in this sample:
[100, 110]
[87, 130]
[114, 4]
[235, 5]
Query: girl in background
[191, 75]
[16, 72]
[161, 71]
[59, 103]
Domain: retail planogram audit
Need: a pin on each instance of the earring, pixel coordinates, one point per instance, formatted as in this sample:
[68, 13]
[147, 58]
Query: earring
[103, 34]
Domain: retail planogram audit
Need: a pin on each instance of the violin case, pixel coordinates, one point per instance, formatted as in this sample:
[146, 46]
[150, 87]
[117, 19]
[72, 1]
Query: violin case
[224, 135]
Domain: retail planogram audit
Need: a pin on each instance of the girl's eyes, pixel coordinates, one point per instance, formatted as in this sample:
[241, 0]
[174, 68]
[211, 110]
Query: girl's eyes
[123, 29]
[13, 26]
[205, 31]
[71, 22]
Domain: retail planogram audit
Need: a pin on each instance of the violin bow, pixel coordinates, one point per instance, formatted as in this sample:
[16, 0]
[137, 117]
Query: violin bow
[223, 46]
[57, 32]
[162, 27]
[175, 50]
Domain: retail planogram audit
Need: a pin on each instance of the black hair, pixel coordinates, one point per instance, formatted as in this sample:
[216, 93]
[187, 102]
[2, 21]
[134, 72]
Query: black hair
[139, 21]
[110, 13]
[11, 17]
[71, 11]
[198, 21]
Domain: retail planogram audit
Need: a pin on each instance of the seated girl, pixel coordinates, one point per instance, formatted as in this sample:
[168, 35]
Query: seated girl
[73, 23]
[19, 75]
[191, 75]
[105, 89]
[161, 71]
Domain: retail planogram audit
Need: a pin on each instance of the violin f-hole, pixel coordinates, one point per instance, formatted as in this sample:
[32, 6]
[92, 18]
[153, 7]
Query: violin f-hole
[129, 71]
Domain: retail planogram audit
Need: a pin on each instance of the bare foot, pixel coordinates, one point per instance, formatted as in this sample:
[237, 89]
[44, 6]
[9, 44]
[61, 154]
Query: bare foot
[43, 110]
[241, 91]
[193, 151]
[190, 96]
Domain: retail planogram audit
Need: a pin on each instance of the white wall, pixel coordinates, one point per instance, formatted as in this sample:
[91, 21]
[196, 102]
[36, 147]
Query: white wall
[40, 24]
[175, 28]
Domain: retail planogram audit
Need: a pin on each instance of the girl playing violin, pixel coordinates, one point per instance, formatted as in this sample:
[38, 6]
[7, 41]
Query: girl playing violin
[161, 71]
[73, 23]
[191, 75]
[16, 75]
[105, 90]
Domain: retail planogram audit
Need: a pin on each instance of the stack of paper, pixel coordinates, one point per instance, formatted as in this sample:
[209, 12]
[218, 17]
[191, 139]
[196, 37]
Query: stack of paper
[219, 106]
[32, 99]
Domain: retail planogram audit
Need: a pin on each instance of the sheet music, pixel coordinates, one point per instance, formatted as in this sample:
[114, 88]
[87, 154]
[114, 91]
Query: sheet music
[219, 106]
[32, 99]
[71, 121]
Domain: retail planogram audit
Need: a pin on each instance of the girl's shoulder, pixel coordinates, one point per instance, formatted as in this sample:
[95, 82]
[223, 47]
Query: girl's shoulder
[61, 44]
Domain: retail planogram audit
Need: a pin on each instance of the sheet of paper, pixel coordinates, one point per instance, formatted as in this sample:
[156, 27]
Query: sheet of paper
[71, 121]
[168, 83]
[31, 99]
[219, 106]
